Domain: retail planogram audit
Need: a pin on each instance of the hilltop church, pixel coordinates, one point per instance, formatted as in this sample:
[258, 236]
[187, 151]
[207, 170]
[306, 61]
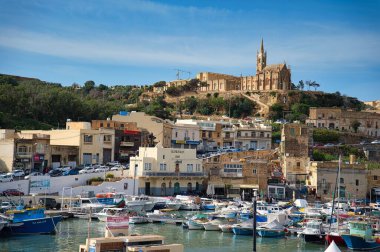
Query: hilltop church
[276, 77]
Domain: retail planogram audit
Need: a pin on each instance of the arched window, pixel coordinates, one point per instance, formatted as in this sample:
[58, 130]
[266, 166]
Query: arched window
[189, 187]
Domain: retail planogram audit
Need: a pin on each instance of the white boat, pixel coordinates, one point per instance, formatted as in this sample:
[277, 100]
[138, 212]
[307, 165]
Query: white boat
[148, 204]
[226, 228]
[111, 212]
[138, 219]
[84, 206]
[332, 248]
[213, 225]
[189, 206]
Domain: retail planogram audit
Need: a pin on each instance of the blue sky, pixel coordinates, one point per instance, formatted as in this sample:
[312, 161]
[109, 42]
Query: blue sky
[336, 43]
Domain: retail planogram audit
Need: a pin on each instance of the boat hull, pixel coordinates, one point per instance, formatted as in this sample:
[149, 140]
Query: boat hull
[336, 238]
[359, 243]
[242, 231]
[34, 226]
[314, 238]
[271, 233]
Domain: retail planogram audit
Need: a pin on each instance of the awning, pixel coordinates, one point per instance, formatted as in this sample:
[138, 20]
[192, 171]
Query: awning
[250, 186]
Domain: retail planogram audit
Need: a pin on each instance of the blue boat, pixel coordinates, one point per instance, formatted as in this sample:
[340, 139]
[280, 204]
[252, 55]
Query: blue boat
[31, 221]
[271, 233]
[245, 228]
[360, 237]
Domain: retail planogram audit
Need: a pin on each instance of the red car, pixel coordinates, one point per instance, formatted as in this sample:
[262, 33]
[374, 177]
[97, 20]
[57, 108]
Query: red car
[12, 192]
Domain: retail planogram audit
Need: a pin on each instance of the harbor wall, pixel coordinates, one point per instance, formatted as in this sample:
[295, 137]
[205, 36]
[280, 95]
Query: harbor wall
[54, 185]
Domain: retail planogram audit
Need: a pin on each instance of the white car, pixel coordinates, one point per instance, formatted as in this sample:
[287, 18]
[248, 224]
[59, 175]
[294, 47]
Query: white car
[6, 178]
[17, 173]
[6, 206]
[102, 169]
[375, 142]
[64, 168]
[33, 174]
[117, 168]
[87, 169]
[113, 163]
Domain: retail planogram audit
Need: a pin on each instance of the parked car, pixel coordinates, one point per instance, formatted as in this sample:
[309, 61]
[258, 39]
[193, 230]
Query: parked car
[64, 168]
[102, 168]
[87, 169]
[74, 171]
[55, 173]
[113, 163]
[33, 174]
[375, 142]
[6, 178]
[329, 145]
[49, 203]
[117, 168]
[17, 173]
[12, 192]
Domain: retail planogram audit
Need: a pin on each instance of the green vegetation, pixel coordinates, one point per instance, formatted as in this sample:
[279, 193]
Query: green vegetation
[320, 156]
[276, 132]
[325, 136]
[98, 179]
[192, 85]
[110, 176]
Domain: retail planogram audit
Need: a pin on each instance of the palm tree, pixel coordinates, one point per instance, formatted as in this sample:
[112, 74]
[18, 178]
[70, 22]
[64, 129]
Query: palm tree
[314, 84]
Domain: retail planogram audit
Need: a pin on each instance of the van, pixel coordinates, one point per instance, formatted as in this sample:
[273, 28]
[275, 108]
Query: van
[6, 178]
[49, 203]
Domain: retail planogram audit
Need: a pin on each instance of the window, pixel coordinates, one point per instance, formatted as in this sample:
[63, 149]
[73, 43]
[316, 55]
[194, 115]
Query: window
[375, 177]
[292, 131]
[210, 134]
[87, 138]
[108, 125]
[101, 125]
[192, 135]
[198, 167]
[357, 182]
[122, 125]
[189, 167]
[176, 134]
[261, 134]
[254, 171]
[148, 166]
[298, 164]
[107, 138]
[22, 149]
[163, 156]
[342, 180]
[162, 167]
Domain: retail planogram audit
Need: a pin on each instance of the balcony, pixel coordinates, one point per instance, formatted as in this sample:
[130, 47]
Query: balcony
[127, 144]
[232, 175]
[174, 174]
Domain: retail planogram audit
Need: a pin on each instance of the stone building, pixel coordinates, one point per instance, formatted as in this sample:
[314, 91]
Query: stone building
[295, 149]
[185, 135]
[167, 171]
[237, 173]
[344, 120]
[25, 151]
[276, 77]
[353, 180]
[161, 129]
[128, 137]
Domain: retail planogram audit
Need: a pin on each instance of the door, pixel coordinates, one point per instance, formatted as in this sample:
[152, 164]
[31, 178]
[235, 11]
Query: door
[107, 156]
[253, 145]
[87, 158]
[177, 189]
[147, 188]
[163, 189]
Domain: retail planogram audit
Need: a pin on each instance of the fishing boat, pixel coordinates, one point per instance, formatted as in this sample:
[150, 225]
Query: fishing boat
[313, 232]
[207, 204]
[30, 221]
[213, 225]
[360, 236]
[226, 228]
[138, 219]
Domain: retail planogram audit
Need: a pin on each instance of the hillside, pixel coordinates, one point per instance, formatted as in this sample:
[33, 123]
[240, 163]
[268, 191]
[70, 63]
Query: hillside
[29, 103]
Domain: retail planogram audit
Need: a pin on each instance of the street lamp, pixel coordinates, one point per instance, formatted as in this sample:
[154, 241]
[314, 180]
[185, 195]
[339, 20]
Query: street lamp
[254, 219]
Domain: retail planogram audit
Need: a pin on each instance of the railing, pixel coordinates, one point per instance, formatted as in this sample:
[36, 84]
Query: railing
[174, 174]
[232, 174]
[127, 144]
[24, 154]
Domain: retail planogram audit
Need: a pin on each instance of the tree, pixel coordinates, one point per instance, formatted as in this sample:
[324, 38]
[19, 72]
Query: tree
[102, 87]
[301, 85]
[355, 124]
[314, 84]
[190, 104]
[89, 85]
[159, 84]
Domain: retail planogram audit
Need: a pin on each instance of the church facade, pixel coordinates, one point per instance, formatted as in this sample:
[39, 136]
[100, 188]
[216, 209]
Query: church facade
[275, 77]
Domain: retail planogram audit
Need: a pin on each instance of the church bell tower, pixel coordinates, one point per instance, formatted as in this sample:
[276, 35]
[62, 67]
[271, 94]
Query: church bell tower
[261, 58]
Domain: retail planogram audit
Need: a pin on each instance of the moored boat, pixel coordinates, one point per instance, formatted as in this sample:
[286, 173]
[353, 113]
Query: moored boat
[360, 236]
[31, 221]
[313, 232]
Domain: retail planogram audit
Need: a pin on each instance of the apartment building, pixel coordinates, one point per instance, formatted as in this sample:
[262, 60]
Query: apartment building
[167, 171]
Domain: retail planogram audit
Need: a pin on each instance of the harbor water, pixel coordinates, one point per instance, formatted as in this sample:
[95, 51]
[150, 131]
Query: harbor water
[73, 232]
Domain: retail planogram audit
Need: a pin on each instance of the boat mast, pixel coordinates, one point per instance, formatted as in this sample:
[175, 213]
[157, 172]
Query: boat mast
[334, 193]
[337, 212]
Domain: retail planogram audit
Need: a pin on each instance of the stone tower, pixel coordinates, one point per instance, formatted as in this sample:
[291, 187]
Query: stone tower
[261, 58]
